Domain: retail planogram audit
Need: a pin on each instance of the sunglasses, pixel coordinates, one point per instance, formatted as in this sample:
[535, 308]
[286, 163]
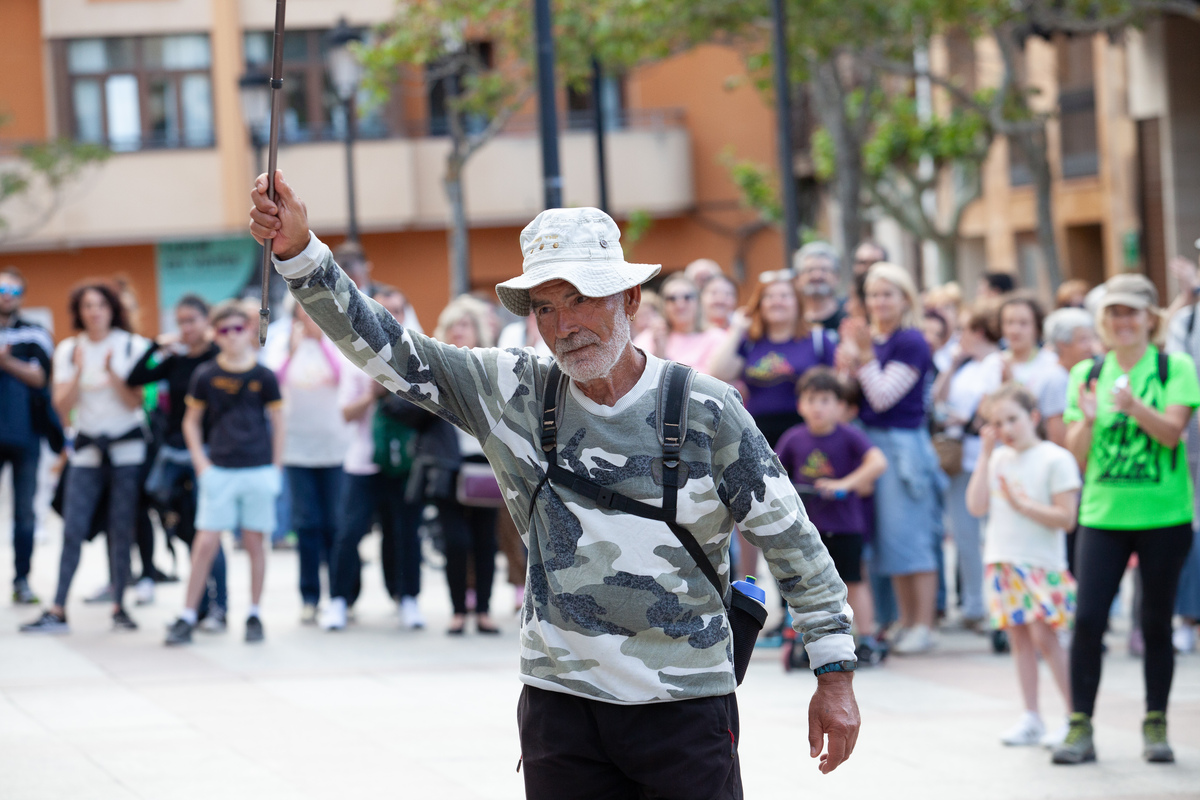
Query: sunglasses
[777, 275]
[226, 330]
[679, 298]
[12, 291]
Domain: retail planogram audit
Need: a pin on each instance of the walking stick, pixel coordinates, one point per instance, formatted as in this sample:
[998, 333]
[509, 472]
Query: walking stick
[264, 313]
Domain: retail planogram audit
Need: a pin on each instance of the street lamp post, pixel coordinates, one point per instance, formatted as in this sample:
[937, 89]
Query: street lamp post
[345, 72]
[254, 92]
[547, 111]
[783, 111]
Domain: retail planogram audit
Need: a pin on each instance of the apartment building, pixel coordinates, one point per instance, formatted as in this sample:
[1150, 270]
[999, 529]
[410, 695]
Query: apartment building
[156, 81]
[1123, 147]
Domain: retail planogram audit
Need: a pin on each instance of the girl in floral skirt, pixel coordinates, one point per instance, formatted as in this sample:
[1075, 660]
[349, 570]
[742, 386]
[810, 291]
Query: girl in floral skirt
[1029, 490]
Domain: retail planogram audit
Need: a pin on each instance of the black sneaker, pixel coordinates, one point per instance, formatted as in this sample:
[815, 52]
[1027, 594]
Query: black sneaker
[870, 651]
[254, 629]
[22, 594]
[180, 632]
[48, 622]
[122, 621]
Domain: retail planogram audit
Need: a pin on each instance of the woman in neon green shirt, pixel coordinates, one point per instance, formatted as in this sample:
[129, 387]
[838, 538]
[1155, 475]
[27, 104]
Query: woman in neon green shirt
[1125, 427]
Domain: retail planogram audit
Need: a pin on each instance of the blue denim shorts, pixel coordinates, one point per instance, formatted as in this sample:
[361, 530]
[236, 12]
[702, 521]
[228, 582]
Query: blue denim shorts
[238, 498]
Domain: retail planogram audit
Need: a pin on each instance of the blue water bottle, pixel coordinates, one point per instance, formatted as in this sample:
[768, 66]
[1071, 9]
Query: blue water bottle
[747, 615]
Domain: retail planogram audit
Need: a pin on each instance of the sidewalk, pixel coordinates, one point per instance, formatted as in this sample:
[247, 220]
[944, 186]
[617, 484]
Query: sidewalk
[375, 711]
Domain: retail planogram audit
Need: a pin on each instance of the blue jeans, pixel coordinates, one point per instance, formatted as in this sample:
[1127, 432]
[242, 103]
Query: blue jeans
[363, 497]
[24, 462]
[316, 505]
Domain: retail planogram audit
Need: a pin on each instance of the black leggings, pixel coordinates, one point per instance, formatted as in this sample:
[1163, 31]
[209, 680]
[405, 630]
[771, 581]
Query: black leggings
[1101, 557]
[470, 535]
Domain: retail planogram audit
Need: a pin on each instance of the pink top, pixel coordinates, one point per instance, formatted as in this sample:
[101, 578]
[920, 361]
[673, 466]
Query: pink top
[692, 349]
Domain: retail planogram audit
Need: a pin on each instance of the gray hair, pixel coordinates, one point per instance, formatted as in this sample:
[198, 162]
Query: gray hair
[1060, 326]
[823, 250]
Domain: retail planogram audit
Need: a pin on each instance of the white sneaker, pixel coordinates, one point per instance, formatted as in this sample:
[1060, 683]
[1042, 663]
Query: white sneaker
[1053, 737]
[333, 618]
[1184, 638]
[918, 639]
[308, 614]
[410, 614]
[143, 592]
[1026, 733]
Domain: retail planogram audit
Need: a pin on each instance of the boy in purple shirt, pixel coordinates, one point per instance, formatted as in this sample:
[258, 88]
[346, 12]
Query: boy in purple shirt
[834, 468]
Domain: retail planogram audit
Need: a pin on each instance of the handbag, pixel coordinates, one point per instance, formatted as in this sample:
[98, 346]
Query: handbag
[949, 453]
[477, 486]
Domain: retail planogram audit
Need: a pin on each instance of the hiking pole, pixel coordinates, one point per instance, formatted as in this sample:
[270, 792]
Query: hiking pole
[264, 313]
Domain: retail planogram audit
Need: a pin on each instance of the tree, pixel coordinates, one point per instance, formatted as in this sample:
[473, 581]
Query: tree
[483, 92]
[1008, 109]
[51, 166]
[905, 155]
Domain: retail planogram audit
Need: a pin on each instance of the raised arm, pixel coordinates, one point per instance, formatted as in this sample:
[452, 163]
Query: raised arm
[462, 386]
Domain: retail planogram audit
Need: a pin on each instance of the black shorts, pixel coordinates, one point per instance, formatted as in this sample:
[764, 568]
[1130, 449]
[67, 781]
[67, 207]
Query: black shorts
[573, 748]
[846, 551]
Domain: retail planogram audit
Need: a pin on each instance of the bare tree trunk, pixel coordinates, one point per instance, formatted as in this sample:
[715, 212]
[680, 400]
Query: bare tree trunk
[947, 247]
[458, 235]
[830, 97]
[1033, 145]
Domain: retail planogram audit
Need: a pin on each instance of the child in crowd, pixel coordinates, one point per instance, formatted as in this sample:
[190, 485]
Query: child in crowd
[835, 466]
[234, 431]
[1028, 489]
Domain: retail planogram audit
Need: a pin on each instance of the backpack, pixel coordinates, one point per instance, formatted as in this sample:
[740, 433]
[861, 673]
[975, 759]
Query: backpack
[395, 445]
[1164, 370]
[746, 615]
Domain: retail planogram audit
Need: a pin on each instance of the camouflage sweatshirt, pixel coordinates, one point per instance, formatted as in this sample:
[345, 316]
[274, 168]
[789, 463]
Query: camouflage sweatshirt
[615, 608]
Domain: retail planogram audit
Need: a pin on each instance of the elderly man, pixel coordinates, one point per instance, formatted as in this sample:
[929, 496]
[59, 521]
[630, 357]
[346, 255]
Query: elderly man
[816, 266]
[625, 644]
[1071, 333]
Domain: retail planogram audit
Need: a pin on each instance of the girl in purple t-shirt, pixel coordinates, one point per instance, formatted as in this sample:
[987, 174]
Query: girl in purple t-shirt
[892, 363]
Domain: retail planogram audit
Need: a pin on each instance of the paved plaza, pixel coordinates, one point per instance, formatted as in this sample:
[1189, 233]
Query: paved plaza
[374, 711]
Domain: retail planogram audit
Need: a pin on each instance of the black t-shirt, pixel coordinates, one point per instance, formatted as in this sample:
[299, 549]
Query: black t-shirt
[176, 369]
[237, 431]
[834, 320]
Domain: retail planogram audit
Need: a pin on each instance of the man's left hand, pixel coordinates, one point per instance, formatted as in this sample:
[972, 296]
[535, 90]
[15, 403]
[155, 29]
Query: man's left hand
[833, 712]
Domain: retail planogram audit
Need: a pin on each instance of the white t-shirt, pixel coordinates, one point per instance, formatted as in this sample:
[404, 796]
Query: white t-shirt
[1043, 376]
[968, 386]
[315, 433]
[1042, 471]
[360, 454]
[100, 411]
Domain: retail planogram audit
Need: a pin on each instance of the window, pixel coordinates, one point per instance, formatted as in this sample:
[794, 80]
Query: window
[1077, 107]
[442, 84]
[139, 93]
[580, 105]
[312, 111]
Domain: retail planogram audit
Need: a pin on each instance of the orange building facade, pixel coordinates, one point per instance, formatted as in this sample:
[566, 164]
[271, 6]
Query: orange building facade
[157, 82]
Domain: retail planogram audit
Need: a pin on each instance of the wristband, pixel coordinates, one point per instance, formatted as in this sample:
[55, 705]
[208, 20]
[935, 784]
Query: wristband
[836, 666]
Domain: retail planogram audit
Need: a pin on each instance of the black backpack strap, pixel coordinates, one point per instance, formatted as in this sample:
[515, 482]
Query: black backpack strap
[1094, 372]
[673, 393]
[1164, 368]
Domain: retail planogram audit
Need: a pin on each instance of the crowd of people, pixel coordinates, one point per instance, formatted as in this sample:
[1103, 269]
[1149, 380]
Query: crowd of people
[1050, 448]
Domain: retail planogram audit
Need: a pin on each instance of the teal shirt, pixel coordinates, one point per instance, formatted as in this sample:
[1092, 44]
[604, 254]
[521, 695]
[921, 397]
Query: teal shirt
[1132, 482]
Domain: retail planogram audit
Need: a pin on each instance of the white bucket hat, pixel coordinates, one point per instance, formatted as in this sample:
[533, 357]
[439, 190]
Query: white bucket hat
[581, 246]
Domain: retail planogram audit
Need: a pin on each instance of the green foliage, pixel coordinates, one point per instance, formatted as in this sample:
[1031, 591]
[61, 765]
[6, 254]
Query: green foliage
[757, 186]
[51, 164]
[636, 227]
[901, 140]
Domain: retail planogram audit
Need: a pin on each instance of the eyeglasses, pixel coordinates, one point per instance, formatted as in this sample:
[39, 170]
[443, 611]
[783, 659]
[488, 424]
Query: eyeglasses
[12, 291]
[679, 298]
[228, 329]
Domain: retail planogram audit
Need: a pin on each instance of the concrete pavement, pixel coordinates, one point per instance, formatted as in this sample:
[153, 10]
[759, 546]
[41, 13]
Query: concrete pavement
[375, 711]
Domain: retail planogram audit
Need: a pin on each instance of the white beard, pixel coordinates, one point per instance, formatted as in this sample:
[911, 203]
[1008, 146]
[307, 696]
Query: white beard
[594, 362]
